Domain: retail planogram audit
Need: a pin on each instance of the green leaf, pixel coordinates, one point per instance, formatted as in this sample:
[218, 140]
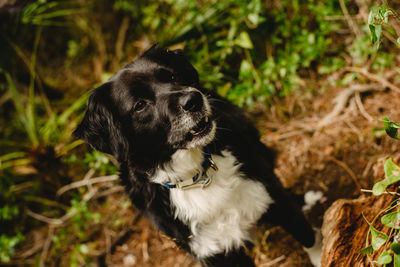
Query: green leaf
[79, 103]
[254, 18]
[391, 220]
[392, 173]
[245, 69]
[391, 128]
[386, 14]
[373, 33]
[379, 187]
[396, 258]
[244, 41]
[398, 40]
[378, 238]
[371, 17]
[378, 31]
[384, 258]
[395, 247]
[367, 250]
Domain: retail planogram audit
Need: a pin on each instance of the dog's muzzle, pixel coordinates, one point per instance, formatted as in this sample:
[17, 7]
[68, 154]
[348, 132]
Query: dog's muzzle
[194, 126]
[192, 101]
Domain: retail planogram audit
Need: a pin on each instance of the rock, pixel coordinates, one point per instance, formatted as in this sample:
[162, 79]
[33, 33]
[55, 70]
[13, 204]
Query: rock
[344, 229]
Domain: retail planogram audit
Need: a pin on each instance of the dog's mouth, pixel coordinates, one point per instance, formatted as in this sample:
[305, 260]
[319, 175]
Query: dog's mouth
[201, 129]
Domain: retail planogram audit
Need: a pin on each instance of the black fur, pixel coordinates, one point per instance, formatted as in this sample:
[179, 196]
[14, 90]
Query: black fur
[143, 138]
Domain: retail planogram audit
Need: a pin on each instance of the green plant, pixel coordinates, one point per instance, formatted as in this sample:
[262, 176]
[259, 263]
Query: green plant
[45, 13]
[253, 57]
[76, 230]
[99, 162]
[294, 45]
[379, 16]
[391, 128]
[38, 132]
[54, 129]
[7, 246]
[387, 244]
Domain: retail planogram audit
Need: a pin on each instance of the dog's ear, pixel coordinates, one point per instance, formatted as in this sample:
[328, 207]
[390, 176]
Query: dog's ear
[155, 48]
[99, 128]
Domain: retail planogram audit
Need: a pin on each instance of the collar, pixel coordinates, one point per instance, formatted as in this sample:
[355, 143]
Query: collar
[200, 179]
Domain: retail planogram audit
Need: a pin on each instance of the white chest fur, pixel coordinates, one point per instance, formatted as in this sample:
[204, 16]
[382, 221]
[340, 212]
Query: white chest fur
[222, 215]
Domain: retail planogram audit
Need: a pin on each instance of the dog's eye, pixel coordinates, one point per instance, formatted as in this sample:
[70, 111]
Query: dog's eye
[174, 78]
[140, 106]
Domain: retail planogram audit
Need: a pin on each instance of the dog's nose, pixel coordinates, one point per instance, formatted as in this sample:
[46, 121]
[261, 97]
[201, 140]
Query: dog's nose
[192, 101]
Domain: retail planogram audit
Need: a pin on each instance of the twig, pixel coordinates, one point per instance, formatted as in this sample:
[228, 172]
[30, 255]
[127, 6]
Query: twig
[90, 173]
[46, 246]
[108, 243]
[374, 77]
[386, 192]
[120, 40]
[145, 251]
[67, 216]
[286, 135]
[112, 190]
[46, 202]
[274, 261]
[37, 245]
[84, 182]
[340, 17]
[347, 169]
[342, 99]
[390, 37]
[45, 219]
[349, 19]
[360, 106]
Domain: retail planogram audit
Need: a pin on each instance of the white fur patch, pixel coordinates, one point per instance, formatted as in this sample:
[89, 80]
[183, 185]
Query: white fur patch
[315, 252]
[311, 198]
[222, 215]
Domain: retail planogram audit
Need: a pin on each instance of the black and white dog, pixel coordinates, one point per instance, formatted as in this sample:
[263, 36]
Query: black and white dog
[189, 159]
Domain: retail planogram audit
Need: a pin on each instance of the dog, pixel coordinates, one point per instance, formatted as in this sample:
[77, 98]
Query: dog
[190, 160]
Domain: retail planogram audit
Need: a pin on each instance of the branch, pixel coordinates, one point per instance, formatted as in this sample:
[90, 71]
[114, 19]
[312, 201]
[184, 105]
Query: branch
[45, 219]
[46, 246]
[342, 99]
[386, 192]
[120, 41]
[87, 182]
[349, 19]
[374, 77]
[274, 261]
[67, 216]
[360, 105]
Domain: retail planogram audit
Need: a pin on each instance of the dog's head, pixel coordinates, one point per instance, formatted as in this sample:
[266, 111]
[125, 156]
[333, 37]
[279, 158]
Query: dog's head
[149, 109]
